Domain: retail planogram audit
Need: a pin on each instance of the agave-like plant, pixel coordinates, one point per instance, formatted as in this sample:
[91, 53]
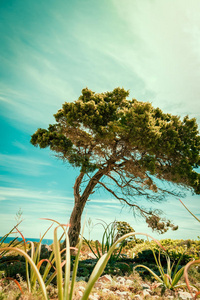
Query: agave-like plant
[65, 289]
[35, 252]
[171, 277]
[108, 239]
[35, 256]
[194, 262]
[35, 263]
[13, 243]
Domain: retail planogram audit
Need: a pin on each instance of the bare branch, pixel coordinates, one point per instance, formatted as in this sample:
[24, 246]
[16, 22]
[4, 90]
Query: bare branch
[143, 212]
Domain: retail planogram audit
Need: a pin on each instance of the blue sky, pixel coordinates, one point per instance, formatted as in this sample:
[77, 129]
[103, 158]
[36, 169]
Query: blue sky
[50, 50]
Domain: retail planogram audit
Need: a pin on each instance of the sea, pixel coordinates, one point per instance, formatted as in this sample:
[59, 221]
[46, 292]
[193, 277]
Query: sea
[44, 241]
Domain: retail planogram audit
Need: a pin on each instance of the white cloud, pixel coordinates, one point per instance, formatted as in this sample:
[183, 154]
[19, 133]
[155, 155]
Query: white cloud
[151, 48]
[22, 165]
[35, 204]
[28, 194]
[166, 54]
[154, 52]
[40, 84]
[20, 145]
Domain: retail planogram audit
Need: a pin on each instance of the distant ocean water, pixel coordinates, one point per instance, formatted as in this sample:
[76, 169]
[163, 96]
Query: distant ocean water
[44, 241]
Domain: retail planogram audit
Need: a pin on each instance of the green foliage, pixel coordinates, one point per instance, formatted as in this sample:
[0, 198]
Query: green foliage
[62, 268]
[191, 263]
[127, 147]
[96, 124]
[12, 243]
[171, 277]
[109, 237]
[131, 244]
[13, 268]
[124, 228]
[159, 224]
[174, 249]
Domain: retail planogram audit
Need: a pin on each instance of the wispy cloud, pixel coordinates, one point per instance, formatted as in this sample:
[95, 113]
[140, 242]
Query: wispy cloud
[22, 165]
[152, 49]
[37, 81]
[40, 204]
[9, 193]
[35, 204]
[149, 47]
[167, 56]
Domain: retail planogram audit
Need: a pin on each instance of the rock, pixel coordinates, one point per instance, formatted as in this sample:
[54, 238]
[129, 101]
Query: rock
[106, 290]
[91, 255]
[94, 297]
[146, 289]
[82, 288]
[80, 293]
[156, 284]
[121, 280]
[102, 280]
[145, 286]
[122, 294]
[105, 279]
[184, 295]
[138, 297]
[146, 293]
[129, 282]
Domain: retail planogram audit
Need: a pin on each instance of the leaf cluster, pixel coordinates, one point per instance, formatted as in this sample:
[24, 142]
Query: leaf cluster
[139, 139]
[161, 225]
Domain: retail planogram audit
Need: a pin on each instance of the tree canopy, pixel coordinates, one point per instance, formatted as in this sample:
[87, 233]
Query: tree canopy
[126, 142]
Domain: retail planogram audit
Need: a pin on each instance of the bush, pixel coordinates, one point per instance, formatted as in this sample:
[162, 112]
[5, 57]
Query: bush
[174, 248]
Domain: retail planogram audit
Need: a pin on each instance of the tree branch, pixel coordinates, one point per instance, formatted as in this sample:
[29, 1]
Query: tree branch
[143, 212]
[77, 186]
[95, 180]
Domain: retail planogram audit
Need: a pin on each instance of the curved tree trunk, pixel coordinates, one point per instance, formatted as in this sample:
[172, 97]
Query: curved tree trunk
[80, 201]
[75, 218]
[75, 223]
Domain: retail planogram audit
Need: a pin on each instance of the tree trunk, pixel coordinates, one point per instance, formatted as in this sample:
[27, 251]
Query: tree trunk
[80, 201]
[75, 223]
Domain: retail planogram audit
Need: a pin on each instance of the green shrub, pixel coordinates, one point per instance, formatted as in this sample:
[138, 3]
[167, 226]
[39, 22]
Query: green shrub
[174, 248]
[16, 268]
